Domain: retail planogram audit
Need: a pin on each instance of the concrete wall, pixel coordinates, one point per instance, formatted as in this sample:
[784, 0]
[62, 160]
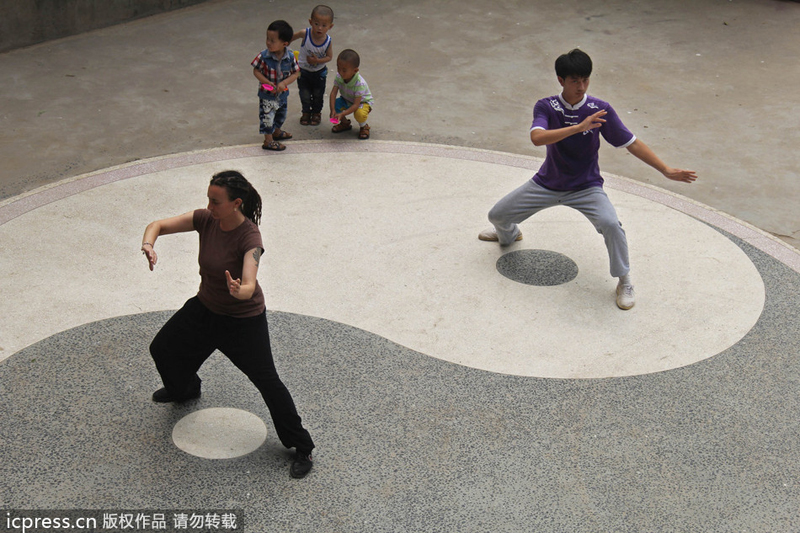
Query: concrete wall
[26, 22]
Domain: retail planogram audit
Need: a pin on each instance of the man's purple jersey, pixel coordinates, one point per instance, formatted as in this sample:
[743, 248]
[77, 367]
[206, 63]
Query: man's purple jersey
[572, 163]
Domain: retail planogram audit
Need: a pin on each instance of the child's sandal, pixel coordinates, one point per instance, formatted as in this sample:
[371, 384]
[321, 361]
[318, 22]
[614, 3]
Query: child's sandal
[282, 136]
[275, 146]
[316, 118]
[305, 119]
[342, 126]
[363, 133]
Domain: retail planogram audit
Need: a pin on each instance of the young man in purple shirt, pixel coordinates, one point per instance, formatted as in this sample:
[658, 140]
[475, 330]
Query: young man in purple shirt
[570, 125]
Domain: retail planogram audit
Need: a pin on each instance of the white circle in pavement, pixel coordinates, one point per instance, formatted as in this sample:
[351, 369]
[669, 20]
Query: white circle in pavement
[219, 433]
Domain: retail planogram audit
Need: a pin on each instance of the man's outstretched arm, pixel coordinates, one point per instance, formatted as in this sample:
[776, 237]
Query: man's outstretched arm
[540, 137]
[643, 152]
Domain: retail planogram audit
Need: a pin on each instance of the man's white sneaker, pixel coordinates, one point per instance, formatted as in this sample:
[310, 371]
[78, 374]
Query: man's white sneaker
[491, 235]
[625, 296]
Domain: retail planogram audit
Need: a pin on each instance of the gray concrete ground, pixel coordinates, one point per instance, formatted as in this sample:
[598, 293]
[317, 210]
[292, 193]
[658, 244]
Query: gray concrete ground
[709, 85]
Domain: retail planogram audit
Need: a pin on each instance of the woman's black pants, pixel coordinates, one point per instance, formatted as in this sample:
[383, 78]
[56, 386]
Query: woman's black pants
[192, 335]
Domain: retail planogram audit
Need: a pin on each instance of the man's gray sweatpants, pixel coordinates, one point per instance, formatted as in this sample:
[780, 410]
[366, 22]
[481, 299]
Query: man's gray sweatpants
[593, 202]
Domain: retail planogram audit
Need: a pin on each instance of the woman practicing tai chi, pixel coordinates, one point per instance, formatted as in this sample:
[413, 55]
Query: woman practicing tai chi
[228, 312]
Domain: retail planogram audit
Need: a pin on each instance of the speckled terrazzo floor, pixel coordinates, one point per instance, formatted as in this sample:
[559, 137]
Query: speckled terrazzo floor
[408, 441]
[411, 443]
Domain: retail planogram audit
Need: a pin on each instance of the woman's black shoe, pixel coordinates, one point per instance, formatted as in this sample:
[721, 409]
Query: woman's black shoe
[163, 396]
[301, 465]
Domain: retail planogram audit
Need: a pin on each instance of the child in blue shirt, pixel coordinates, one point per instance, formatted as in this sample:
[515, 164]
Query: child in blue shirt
[275, 67]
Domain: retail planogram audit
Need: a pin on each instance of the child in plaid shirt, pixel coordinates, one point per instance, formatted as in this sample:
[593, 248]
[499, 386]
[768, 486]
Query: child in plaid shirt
[275, 67]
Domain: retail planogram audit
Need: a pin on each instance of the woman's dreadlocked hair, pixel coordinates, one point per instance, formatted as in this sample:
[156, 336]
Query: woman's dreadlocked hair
[238, 187]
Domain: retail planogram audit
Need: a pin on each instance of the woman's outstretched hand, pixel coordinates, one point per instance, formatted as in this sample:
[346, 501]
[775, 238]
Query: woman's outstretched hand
[150, 254]
[233, 284]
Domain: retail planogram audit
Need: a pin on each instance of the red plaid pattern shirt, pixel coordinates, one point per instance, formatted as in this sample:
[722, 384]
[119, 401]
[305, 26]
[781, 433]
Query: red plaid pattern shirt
[274, 70]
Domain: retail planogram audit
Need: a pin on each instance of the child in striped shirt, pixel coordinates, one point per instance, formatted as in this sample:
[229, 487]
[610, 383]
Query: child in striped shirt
[350, 95]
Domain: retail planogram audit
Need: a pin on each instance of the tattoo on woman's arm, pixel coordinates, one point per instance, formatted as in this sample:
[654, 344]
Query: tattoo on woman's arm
[257, 255]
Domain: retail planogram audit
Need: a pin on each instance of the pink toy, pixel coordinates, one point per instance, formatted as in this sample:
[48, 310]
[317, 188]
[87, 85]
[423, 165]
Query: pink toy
[268, 87]
[334, 120]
